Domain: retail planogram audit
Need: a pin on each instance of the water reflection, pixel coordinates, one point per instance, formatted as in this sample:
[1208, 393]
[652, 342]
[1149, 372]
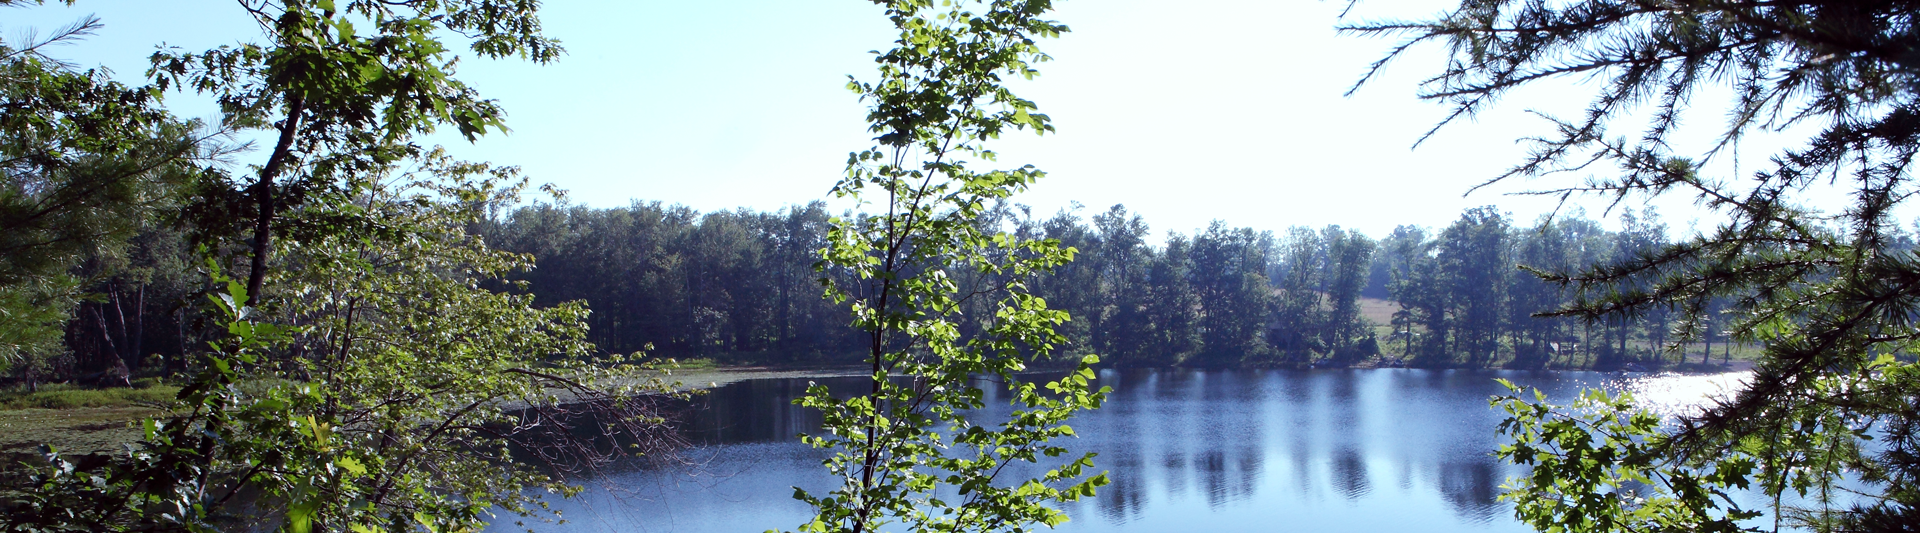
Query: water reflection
[1326, 450]
[1350, 475]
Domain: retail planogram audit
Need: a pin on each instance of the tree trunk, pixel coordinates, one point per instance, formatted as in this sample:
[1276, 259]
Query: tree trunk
[180, 334]
[120, 320]
[1708, 352]
[1586, 346]
[264, 199]
[1626, 331]
[139, 325]
[106, 337]
[116, 372]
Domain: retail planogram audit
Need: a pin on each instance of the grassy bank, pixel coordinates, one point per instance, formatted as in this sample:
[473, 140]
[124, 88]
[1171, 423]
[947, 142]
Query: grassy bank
[145, 393]
[83, 420]
[83, 430]
[77, 420]
[710, 376]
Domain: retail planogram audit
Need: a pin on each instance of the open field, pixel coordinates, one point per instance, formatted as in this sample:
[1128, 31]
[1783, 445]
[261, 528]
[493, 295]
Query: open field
[1377, 310]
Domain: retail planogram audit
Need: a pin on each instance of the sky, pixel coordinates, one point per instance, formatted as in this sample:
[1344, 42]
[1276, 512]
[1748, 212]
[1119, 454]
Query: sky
[1186, 112]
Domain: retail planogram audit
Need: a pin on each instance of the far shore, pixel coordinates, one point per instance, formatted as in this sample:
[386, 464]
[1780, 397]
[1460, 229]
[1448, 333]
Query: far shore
[719, 376]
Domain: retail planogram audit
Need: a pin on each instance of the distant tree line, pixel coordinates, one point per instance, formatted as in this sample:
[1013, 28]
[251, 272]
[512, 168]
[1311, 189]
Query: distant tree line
[741, 286]
[669, 280]
[124, 307]
[1468, 294]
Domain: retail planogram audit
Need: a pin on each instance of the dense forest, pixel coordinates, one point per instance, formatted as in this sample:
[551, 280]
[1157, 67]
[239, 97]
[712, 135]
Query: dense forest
[742, 286]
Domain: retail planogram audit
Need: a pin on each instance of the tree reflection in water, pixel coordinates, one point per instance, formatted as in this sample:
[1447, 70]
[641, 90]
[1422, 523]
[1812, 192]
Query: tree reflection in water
[1321, 450]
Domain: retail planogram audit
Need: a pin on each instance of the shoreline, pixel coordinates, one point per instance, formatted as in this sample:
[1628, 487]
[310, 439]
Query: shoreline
[93, 430]
[719, 376]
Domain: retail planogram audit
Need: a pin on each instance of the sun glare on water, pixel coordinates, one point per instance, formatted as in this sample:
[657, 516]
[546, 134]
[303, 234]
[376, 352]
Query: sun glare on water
[1673, 395]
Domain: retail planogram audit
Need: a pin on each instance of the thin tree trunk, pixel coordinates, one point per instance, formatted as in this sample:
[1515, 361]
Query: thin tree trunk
[139, 315]
[1586, 346]
[139, 324]
[118, 367]
[1656, 339]
[180, 333]
[1626, 331]
[120, 320]
[786, 308]
[264, 199]
[1708, 353]
[106, 335]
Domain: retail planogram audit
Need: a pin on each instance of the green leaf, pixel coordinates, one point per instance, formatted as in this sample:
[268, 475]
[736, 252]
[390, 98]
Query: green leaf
[352, 465]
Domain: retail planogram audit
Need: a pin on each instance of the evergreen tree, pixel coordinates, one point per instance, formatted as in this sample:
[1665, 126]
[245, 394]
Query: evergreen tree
[88, 164]
[1822, 286]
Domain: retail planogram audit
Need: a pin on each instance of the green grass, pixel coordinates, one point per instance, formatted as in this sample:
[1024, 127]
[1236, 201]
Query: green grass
[59, 396]
[77, 420]
[694, 364]
[73, 431]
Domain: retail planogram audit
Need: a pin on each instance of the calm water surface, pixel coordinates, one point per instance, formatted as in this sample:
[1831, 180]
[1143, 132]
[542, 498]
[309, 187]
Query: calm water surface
[1187, 450]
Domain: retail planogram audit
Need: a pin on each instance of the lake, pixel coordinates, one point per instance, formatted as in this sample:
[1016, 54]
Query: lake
[1187, 450]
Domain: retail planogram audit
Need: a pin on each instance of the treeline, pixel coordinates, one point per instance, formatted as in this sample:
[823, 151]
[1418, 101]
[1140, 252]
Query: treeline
[741, 286]
[120, 308]
[1465, 299]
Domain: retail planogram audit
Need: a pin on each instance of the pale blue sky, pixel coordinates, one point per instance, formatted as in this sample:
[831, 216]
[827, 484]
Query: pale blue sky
[1185, 112]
